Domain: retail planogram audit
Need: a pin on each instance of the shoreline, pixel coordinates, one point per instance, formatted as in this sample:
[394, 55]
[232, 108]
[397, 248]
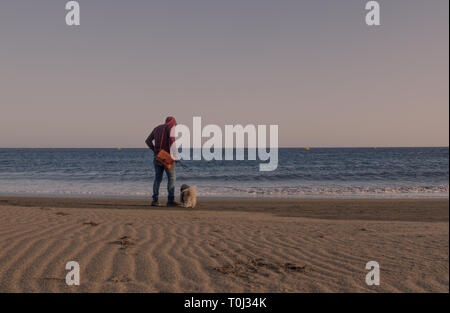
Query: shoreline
[437, 196]
[421, 209]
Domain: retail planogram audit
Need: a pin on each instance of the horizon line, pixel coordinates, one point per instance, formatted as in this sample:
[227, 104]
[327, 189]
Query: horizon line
[283, 147]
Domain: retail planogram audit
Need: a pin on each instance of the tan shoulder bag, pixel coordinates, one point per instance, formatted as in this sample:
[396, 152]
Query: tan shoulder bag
[164, 158]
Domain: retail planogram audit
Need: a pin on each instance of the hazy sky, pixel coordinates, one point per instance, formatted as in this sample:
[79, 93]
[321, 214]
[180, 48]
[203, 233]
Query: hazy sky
[312, 67]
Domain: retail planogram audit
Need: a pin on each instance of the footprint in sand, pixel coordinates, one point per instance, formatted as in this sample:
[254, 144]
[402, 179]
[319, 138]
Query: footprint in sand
[62, 213]
[120, 279]
[124, 242]
[243, 269]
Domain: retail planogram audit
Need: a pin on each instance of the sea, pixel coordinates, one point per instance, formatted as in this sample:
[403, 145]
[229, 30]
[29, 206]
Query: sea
[301, 173]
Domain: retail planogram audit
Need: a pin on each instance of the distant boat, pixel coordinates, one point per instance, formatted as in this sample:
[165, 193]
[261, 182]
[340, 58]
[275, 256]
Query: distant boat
[307, 148]
[119, 149]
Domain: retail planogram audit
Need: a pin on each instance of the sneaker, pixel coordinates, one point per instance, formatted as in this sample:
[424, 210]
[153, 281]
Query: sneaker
[172, 203]
[156, 203]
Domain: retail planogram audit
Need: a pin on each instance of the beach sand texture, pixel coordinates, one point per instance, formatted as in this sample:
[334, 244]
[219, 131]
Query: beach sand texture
[224, 245]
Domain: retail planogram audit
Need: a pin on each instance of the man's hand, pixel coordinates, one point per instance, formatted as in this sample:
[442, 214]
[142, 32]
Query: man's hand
[149, 141]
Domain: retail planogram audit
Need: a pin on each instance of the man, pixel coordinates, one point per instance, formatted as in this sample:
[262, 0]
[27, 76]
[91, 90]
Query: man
[163, 141]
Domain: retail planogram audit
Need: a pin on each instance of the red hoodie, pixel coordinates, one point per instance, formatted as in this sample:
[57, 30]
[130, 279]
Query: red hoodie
[162, 133]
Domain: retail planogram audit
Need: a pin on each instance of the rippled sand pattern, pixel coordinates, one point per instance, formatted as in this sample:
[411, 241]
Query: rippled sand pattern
[201, 251]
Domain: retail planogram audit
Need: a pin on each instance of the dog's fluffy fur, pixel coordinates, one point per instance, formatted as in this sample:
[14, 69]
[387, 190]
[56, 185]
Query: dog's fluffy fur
[188, 196]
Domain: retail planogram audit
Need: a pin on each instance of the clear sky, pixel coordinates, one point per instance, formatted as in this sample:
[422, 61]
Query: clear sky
[312, 67]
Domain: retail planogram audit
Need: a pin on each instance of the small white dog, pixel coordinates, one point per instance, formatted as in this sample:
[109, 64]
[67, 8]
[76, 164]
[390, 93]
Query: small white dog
[188, 196]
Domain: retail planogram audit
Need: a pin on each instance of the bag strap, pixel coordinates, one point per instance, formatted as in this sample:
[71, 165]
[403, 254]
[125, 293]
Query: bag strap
[162, 137]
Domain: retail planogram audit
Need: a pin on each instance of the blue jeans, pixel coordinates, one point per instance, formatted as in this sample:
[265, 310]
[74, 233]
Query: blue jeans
[171, 176]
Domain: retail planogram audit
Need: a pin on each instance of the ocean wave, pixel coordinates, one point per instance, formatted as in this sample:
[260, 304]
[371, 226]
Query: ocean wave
[398, 172]
[234, 191]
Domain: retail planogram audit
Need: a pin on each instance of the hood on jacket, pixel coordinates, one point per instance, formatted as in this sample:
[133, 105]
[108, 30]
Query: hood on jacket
[171, 122]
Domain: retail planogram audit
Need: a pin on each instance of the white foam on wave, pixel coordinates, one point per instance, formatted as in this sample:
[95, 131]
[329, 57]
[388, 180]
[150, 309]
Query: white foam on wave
[51, 188]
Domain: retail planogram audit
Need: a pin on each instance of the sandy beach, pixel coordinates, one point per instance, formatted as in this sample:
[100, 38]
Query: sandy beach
[224, 245]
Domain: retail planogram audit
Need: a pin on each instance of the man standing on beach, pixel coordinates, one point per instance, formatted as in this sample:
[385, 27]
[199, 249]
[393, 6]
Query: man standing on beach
[163, 141]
